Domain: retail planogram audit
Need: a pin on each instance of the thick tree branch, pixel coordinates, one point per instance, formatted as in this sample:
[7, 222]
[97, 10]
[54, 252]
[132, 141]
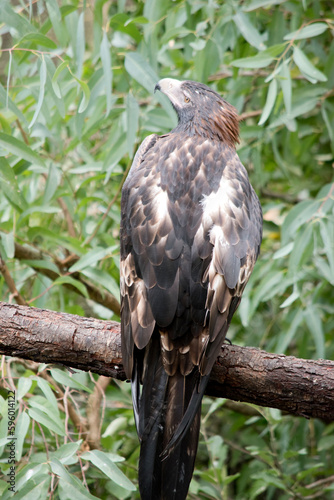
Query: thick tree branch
[301, 387]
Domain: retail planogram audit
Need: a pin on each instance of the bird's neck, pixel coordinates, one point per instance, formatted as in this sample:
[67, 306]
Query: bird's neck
[221, 124]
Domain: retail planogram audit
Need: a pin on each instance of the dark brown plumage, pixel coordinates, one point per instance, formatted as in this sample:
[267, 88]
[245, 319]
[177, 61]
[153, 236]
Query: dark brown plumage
[191, 230]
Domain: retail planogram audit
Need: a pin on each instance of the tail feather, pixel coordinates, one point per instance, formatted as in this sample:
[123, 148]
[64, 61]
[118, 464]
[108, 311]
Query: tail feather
[169, 422]
[192, 408]
[178, 463]
[151, 406]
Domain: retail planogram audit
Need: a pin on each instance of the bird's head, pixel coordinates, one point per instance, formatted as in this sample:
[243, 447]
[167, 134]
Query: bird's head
[201, 110]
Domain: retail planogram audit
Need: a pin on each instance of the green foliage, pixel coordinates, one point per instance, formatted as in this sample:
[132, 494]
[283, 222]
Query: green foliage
[76, 98]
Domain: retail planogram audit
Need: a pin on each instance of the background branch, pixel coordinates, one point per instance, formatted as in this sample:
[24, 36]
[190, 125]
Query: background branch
[105, 298]
[301, 387]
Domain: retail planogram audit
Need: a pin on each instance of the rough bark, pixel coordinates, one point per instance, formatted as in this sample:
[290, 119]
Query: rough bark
[298, 386]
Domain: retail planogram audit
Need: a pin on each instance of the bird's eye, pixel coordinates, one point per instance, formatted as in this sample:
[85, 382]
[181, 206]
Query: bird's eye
[186, 99]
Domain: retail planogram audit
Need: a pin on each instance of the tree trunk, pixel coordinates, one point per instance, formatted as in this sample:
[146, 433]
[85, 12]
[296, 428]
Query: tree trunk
[298, 386]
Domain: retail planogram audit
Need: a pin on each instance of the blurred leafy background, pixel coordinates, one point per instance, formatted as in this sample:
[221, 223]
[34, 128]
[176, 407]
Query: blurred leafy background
[76, 99]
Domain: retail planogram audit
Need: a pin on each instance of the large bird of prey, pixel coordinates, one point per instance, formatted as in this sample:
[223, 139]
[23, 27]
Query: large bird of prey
[191, 230]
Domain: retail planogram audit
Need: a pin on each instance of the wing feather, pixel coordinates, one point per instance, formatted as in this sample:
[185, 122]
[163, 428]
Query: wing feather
[194, 224]
[190, 235]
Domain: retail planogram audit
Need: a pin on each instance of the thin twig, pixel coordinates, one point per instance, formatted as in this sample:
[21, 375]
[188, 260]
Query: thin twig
[11, 283]
[23, 133]
[68, 218]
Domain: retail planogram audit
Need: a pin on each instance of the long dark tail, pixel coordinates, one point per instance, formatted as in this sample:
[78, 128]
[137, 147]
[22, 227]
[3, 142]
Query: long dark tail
[168, 421]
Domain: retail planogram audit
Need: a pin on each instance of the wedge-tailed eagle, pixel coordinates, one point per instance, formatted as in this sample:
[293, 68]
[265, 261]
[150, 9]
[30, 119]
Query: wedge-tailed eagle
[191, 229]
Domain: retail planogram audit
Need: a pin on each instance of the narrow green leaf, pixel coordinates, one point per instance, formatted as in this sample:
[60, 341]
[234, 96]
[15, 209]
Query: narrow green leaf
[41, 264]
[283, 251]
[115, 154]
[65, 10]
[302, 248]
[68, 490]
[142, 72]
[261, 60]
[41, 92]
[7, 240]
[54, 80]
[39, 39]
[327, 121]
[297, 110]
[70, 481]
[20, 149]
[324, 269]
[22, 426]
[23, 387]
[132, 118]
[47, 391]
[294, 296]
[270, 102]
[314, 324]
[285, 82]
[33, 490]
[103, 462]
[326, 443]
[273, 279]
[86, 96]
[306, 67]
[136, 20]
[309, 31]
[90, 258]
[285, 340]
[44, 419]
[120, 22]
[275, 50]
[68, 280]
[80, 44]
[327, 235]
[7, 102]
[8, 76]
[43, 404]
[55, 18]
[52, 182]
[9, 185]
[107, 71]
[63, 378]
[71, 244]
[154, 9]
[326, 198]
[66, 453]
[31, 471]
[274, 73]
[42, 209]
[103, 278]
[5, 125]
[10, 18]
[199, 44]
[50, 92]
[256, 4]
[248, 30]
[113, 428]
[175, 32]
[297, 216]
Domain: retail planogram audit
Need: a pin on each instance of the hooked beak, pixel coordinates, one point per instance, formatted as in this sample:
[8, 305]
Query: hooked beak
[172, 89]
